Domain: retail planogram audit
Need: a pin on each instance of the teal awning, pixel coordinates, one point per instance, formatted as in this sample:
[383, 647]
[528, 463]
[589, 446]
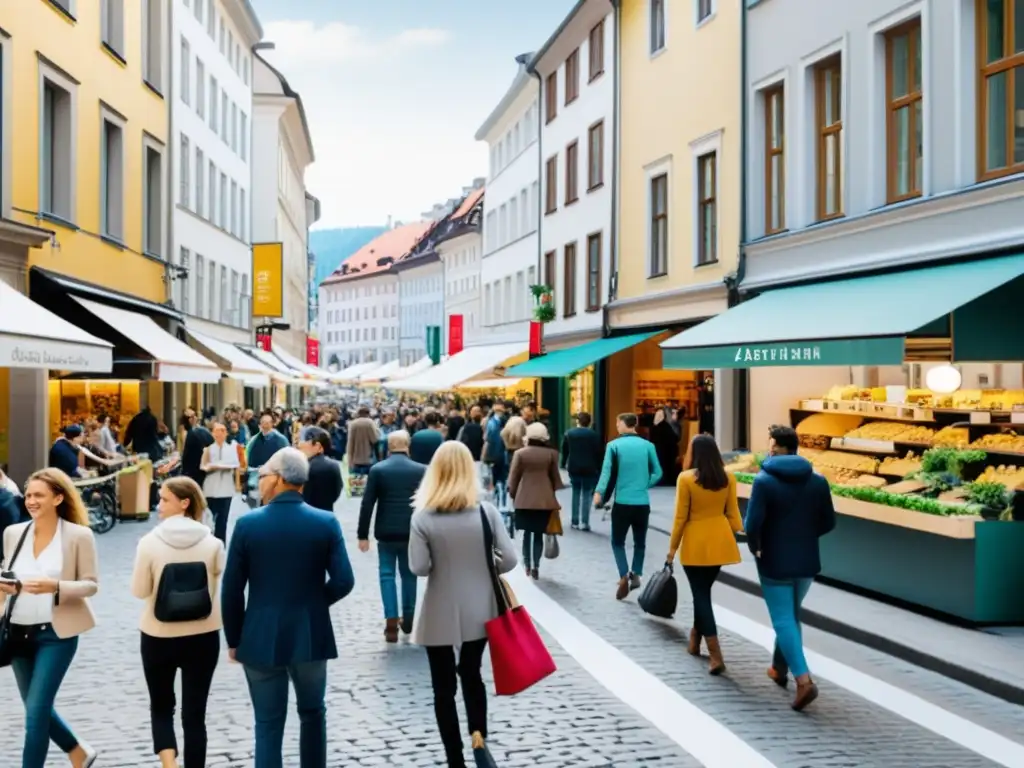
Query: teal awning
[566, 362]
[859, 321]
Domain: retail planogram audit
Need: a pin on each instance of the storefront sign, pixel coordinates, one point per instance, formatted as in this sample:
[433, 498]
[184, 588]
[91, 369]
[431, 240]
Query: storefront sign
[455, 338]
[267, 280]
[874, 351]
[264, 337]
[20, 352]
[312, 352]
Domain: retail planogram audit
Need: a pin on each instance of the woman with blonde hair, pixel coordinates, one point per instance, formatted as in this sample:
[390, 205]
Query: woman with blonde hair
[446, 545]
[48, 579]
[514, 435]
[177, 570]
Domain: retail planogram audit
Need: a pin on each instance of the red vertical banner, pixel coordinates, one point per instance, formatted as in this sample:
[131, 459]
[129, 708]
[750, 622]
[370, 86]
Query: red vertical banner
[263, 340]
[536, 338]
[312, 352]
[456, 340]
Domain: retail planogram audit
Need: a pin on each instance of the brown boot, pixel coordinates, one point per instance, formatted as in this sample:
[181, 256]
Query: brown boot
[695, 639]
[781, 679]
[806, 692]
[623, 589]
[391, 631]
[716, 666]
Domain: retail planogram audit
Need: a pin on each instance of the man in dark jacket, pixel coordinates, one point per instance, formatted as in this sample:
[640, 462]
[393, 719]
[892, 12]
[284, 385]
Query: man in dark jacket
[197, 439]
[324, 486]
[142, 434]
[582, 454]
[424, 444]
[789, 509]
[472, 433]
[390, 489]
[64, 451]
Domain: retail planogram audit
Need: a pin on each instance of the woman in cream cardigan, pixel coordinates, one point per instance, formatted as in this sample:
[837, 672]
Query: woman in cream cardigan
[53, 559]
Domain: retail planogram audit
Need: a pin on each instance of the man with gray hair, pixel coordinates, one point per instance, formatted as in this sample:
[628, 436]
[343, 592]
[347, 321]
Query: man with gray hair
[291, 557]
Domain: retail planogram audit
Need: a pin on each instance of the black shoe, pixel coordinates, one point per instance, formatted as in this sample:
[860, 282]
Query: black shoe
[406, 624]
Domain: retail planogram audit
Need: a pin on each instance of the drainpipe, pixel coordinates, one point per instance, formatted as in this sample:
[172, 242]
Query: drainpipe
[613, 272]
[742, 383]
[168, 218]
[540, 171]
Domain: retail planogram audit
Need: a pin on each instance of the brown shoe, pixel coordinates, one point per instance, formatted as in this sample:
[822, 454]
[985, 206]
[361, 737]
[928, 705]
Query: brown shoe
[781, 679]
[806, 692]
[391, 630]
[534, 574]
[716, 665]
[695, 639]
[623, 590]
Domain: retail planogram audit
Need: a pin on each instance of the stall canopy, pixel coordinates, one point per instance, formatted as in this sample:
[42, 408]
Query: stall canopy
[173, 360]
[964, 312]
[234, 361]
[405, 372]
[33, 337]
[281, 373]
[489, 384]
[566, 362]
[378, 374]
[353, 372]
[470, 363]
[298, 366]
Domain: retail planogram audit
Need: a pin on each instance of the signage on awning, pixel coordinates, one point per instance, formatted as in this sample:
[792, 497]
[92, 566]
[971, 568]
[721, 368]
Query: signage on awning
[20, 352]
[873, 351]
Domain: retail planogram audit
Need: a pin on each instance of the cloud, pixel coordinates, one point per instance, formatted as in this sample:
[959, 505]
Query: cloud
[303, 43]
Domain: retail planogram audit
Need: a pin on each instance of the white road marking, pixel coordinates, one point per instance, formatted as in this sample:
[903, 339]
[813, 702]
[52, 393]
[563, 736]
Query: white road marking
[696, 732]
[967, 734]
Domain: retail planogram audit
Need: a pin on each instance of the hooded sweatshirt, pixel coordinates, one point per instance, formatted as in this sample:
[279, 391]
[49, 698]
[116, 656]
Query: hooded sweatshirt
[177, 539]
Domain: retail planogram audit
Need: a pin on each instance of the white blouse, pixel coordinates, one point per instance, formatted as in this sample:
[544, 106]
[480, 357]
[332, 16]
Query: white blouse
[37, 609]
[220, 483]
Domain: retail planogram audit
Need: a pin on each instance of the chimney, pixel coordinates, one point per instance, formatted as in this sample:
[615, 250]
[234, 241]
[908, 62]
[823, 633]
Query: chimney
[389, 225]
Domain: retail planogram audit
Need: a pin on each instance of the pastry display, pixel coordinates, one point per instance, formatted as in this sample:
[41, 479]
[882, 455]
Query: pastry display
[1010, 476]
[900, 467]
[841, 460]
[830, 424]
[893, 431]
[821, 442]
[952, 437]
[1009, 442]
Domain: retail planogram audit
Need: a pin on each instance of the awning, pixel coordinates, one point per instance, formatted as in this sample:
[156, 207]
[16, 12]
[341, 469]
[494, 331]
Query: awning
[866, 320]
[234, 361]
[297, 365]
[173, 360]
[566, 362]
[281, 373]
[470, 363]
[353, 372]
[423, 364]
[33, 337]
[381, 372]
[489, 384]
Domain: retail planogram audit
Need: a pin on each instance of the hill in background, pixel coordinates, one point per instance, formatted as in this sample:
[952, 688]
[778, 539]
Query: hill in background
[333, 246]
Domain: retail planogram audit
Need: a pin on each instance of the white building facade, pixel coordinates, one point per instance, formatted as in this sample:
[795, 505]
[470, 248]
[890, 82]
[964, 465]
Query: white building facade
[420, 303]
[575, 69]
[460, 248]
[211, 156]
[511, 210]
[279, 204]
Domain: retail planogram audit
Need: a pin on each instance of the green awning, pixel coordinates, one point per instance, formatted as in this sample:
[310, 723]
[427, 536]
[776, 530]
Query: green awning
[566, 362]
[859, 321]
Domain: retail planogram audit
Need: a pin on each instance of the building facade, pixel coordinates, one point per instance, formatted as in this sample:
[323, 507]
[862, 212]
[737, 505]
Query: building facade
[420, 302]
[459, 244]
[511, 209]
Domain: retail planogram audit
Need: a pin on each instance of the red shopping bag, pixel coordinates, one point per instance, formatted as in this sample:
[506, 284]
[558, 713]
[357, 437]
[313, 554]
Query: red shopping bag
[519, 657]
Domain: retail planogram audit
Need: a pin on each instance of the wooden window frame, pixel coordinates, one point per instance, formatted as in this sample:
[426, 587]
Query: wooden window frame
[821, 132]
[569, 280]
[1007, 64]
[550, 261]
[771, 152]
[655, 218]
[592, 183]
[551, 97]
[707, 199]
[551, 185]
[572, 172]
[572, 77]
[894, 105]
[596, 62]
[598, 237]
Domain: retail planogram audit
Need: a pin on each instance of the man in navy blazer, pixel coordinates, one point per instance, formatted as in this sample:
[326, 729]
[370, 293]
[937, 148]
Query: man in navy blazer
[292, 559]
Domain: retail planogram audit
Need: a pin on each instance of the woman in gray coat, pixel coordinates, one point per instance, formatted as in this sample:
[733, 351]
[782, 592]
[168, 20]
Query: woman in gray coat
[446, 545]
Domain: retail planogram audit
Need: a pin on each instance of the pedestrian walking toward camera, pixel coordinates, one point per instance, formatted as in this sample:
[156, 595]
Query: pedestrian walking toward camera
[292, 560]
[324, 486]
[630, 469]
[220, 463]
[446, 544]
[707, 519]
[581, 457]
[390, 488]
[789, 509]
[177, 573]
[532, 482]
[49, 576]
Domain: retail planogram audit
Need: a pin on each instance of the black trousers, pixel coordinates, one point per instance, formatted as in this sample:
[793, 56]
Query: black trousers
[444, 676]
[220, 508]
[196, 656]
[702, 578]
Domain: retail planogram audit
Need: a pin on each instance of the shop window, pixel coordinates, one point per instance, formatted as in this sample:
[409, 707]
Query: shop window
[184, 176]
[152, 214]
[903, 114]
[551, 185]
[595, 156]
[569, 280]
[152, 44]
[56, 148]
[112, 25]
[657, 25]
[594, 272]
[707, 208]
[1001, 87]
[596, 50]
[828, 88]
[112, 178]
[774, 160]
[572, 172]
[658, 257]
[551, 97]
[572, 77]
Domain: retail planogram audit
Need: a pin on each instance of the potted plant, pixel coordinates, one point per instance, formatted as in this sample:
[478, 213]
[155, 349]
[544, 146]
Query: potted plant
[544, 303]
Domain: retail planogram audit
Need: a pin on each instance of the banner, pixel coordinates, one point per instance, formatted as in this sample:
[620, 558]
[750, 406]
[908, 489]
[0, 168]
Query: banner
[263, 337]
[312, 352]
[267, 280]
[455, 337]
[434, 343]
[536, 338]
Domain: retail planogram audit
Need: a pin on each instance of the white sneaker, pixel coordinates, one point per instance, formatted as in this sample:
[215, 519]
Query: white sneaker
[90, 755]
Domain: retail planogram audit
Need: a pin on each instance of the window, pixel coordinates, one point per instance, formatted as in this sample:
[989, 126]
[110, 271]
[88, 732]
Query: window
[595, 156]
[235, 299]
[829, 120]
[200, 89]
[594, 272]
[659, 225]
[213, 104]
[211, 280]
[152, 235]
[181, 283]
[112, 179]
[657, 11]
[198, 10]
[707, 210]
[513, 219]
[903, 117]
[212, 191]
[572, 77]
[551, 185]
[225, 306]
[243, 135]
[774, 160]
[242, 232]
[56, 167]
[524, 207]
[596, 50]
[186, 74]
[551, 97]
[184, 180]
[245, 70]
[200, 164]
[113, 25]
[211, 16]
[569, 280]
[233, 229]
[1001, 93]
[572, 168]
[234, 127]
[503, 225]
[704, 10]
[535, 203]
[223, 40]
[224, 116]
[549, 269]
[201, 281]
[152, 45]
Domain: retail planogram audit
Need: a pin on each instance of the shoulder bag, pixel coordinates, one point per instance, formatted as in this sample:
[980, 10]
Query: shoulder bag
[7, 651]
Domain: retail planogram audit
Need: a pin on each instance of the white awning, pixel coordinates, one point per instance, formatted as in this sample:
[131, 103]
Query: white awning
[297, 365]
[353, 372]
[411, 370]
[470, 363]
[33, 337]
[245, 368]
[280, 373]
[378, 374]
[174, 361]
[488, 384]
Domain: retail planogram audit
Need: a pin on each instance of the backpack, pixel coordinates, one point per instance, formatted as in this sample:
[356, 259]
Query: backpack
[183, 593]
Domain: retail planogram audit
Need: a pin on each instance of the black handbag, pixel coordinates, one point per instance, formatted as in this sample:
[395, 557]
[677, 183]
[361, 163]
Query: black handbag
[660, 594]
[183, 593]
[6, 644]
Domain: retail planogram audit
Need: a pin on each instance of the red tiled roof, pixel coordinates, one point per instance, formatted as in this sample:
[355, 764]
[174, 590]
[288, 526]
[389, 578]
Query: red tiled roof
[394, 243]
[467, 205]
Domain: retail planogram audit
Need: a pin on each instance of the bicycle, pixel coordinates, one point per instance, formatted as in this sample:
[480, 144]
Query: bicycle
[99, 494]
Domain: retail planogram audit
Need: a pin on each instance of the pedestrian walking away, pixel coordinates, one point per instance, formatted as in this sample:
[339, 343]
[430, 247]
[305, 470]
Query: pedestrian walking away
[426, 441]
[532, 482]
[324, 486]
[361, 450]
[581, 457]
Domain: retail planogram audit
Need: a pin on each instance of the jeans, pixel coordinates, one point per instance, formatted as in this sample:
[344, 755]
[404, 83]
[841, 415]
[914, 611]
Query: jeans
[624, 517]
[39, 671]
[533, 549]
[361, 469]
[392, 561]
[220, 508]
[702, 579]
[784, 598]
[444, 676]
[268, 689]
[582, 498]
[499, 475]
[196, 656]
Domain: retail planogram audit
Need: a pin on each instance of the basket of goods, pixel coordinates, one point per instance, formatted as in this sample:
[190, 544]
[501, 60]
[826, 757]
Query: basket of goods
[952, 437]
[894, 466]
[1002, 442]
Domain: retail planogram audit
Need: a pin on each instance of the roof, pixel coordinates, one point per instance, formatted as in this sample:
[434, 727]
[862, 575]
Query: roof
[390, 245]
[583, 10]
[292, 94]
[523, 77]
[245, 15]
[468, 202]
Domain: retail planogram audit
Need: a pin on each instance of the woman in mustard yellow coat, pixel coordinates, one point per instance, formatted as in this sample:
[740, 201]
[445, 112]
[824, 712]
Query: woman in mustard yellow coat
[707, 519]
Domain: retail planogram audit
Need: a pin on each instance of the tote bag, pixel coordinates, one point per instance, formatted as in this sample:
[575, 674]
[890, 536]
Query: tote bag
[519, 657]
[660, 594]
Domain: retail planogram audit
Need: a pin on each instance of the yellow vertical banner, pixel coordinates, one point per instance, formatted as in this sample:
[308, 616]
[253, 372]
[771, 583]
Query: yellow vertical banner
[267, 280]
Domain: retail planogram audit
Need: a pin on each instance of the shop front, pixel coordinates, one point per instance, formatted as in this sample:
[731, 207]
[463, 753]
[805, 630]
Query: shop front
[476, 372]
[907, 391]
[287, 384]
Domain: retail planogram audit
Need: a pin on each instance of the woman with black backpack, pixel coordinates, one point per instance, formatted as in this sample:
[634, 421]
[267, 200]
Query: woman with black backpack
[177, 572]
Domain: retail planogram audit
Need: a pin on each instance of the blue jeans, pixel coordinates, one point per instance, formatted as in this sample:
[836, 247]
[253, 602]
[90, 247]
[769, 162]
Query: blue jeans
[39, 673]
[624, 517]
[784, 598]
[582, 498]
[393, 560]
[268, 689]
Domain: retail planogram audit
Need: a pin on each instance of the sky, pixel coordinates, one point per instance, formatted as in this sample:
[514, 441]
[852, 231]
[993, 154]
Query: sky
[394, 91]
